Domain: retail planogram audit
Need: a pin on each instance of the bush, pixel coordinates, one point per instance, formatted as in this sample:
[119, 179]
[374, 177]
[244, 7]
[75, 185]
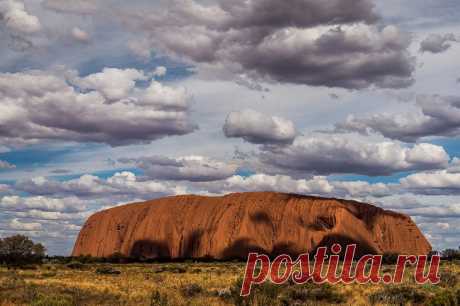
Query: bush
[158, 299]
[261, 295]
[448, 279]
[75, 265]
[400, 295]
[321, 293]
[445, 298]
[390, 258]
[178, 270]
[107, 271]
[191, 290]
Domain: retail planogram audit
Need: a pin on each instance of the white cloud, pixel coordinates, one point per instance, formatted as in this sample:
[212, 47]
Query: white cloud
[259, 128]
[37, 106]
[279, 183]
[14, 16]
[17, 203]
[188, 168]
[120, 184]
[433, 182]
[160, 71]
[329, 154]
[437, 43]
[16, 224]
[80, 35]
[6, 165]
[435, 116]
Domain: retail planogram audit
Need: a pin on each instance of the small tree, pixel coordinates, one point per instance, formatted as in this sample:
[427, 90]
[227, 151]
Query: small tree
[19, 249]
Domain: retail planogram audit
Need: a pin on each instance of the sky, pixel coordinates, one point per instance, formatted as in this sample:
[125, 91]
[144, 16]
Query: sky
[109, 102]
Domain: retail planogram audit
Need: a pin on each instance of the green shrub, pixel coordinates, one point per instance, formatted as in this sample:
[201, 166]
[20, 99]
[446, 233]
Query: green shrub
[397, 295]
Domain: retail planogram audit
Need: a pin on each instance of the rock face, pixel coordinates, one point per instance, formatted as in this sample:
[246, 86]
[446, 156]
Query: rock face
[234, 225]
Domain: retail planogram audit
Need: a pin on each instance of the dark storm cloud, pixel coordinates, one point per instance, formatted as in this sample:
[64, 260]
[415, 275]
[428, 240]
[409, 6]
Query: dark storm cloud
[333, 43]
[297, 13]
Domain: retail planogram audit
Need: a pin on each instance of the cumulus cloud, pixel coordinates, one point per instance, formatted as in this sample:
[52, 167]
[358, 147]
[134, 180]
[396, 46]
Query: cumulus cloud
[437, 43]
[361, 189]
[437, 116]
[333, 155]
[17, 203]
[258, 128]
[160, 71]
[15, 18]
[120, 184]
[189, 168]
[264, 182]
[16, 224]
[437, 182]
[6, 165]
[105, 107]
[335, 43]
[80, 35]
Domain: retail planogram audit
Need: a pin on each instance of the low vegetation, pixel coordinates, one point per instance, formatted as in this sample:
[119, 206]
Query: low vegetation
[62, 281]
[193, 283]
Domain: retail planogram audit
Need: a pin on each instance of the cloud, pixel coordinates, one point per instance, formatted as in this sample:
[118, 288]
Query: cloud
[437, 116]
[79, 7]
[120, 184]
[336, 43]
[436, 43]
[80, 35]
[263, 182]
[437, 182]
[15, 18]
[258, 128]
[53, 215]
[361, 189]
[105, 107]
[15, 224]
[160, 71]
[189, 168]
[6, 165]
[17, 203]
[321, 155]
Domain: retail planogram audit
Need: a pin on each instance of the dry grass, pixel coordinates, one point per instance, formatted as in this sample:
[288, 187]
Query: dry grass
[187, 284]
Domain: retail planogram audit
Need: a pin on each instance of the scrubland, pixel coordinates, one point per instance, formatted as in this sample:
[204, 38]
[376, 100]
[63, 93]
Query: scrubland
[206, 284]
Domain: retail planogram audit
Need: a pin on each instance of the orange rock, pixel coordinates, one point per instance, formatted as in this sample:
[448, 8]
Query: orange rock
[234, 225]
